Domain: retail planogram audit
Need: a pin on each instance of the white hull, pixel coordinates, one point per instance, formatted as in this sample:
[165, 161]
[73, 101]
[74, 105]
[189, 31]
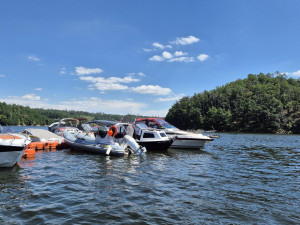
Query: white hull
[189, 143]
[9, 159]
[12, 147]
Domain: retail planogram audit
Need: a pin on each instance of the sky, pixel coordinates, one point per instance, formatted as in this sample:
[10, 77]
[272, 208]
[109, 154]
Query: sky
[139, 56]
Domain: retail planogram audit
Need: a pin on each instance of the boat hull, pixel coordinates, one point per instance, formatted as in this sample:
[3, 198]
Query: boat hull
[155, 145]
[190, 143]
[100, 149]
[9, 157]
[12, 147]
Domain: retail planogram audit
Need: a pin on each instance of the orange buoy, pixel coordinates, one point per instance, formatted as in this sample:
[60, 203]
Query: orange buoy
[113, 130]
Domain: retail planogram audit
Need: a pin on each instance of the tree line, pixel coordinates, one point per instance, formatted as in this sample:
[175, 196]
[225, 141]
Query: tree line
[260, 103]
[12, 115]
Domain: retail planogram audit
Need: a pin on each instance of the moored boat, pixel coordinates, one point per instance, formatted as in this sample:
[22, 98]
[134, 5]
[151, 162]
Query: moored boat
[109, 138]
[151, 138]
[12, 147]
[182, 139]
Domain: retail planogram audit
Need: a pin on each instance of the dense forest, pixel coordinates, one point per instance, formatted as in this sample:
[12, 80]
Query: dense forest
[259, 103]
[23, 115]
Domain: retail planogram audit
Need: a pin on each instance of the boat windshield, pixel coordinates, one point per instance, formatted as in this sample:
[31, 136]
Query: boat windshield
[6, 130]
[165, 124]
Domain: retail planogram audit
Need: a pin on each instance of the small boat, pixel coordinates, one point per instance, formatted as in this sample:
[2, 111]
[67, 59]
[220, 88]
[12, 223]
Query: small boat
[182, 139]
[151, 138]
[53, 126]
[66, 124]
[12, 147]
[110, 138]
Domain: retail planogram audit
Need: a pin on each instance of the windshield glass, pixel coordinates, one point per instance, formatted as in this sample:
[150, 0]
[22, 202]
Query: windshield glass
[165, 124]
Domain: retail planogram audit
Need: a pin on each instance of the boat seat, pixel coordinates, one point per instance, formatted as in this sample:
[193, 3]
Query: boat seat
[86, 127]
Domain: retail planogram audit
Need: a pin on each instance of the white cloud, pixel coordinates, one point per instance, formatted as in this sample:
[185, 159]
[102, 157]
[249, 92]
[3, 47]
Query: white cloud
[160, 46]
[127, 79]
[185, 40]
[62, 70]
[167, 55]
[182, 59]
[178, 56]
[141, 74]
[2, 75]
[202, 57]
[33, 58]
[31, 97]
[86, 71]
[296, 73]
[108, 84]
[38, 89]
[171, 98]
[179, 53]
[156, 58]
[108, 106]
[151, 89]
[156, 113]
[148, 50]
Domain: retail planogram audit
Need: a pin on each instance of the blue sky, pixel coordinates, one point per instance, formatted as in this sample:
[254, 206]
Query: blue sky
[139, 56]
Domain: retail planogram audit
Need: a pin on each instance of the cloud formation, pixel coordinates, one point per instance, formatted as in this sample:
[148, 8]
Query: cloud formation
[171, 98]
[152, 89]
[2, 75]
[117, 83]
[177, 56]
[185, 40]
[62, 70]
[87, 71]
[160, 46]
[296, 73]
[108, 84]
[33, 58]
[202, 57]
[31, 97]
[182, 59]
[156, 58]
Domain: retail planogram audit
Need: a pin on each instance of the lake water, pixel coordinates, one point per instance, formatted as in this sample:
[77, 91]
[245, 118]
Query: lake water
[237, 179]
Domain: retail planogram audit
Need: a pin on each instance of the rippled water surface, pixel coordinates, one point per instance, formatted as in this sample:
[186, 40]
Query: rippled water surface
[237, 179]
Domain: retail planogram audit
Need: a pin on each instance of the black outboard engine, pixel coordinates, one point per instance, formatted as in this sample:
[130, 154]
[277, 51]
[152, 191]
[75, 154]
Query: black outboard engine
[101, 131]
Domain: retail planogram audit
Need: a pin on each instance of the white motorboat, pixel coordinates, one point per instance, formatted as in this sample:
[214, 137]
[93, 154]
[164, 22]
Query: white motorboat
[70, 125]
[110, 138]
[151, 138]
[12, 147]
[183, 139]
[53, 126]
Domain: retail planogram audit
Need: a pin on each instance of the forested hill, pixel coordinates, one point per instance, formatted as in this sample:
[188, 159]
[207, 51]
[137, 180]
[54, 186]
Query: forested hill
[23, 115]
[259, 103]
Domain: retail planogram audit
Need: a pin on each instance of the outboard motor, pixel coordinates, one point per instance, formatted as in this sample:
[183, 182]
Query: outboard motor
[132, 146]
[102, 132]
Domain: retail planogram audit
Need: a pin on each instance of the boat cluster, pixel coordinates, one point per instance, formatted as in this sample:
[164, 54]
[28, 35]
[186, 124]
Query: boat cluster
[105, 138]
